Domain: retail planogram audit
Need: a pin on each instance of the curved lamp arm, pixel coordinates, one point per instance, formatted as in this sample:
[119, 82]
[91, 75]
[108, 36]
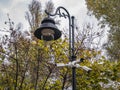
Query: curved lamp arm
[62, 12]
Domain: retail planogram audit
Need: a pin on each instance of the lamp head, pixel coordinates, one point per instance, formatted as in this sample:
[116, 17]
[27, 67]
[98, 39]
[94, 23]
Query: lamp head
[48, 30]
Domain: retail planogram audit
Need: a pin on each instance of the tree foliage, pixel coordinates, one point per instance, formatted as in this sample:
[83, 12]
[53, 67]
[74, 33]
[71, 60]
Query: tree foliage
[30, 64]
[107, 11]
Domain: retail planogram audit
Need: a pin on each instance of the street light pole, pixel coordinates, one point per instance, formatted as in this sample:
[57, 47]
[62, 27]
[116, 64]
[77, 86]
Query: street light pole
[48, 31]
[71, 39]
[73, 57]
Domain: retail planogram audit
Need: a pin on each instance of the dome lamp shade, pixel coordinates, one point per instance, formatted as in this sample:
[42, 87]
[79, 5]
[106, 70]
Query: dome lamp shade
[48, 30]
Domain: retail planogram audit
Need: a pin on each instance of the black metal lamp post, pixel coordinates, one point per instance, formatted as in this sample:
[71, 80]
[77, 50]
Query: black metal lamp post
[48, 31]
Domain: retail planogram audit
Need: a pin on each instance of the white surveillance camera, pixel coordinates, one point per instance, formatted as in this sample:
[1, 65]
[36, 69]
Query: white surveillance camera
[83, 67]
[86, 68]
[74, 64]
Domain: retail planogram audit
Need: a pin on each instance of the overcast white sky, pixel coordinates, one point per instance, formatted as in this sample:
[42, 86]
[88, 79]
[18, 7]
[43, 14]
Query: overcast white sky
[17, 8]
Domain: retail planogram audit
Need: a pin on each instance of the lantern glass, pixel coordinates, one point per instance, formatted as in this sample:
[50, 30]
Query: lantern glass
[47, 34]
